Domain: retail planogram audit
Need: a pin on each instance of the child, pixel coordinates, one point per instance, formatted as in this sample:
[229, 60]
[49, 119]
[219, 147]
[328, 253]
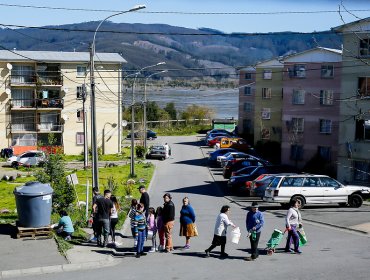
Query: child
[140, 230]
[132, 214]
[152, 227]
[160, 229]
[114, 218]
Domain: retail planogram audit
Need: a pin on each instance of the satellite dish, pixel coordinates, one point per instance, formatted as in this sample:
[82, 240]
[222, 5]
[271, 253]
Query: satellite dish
[8, 91]
[124, 123]
[9, 66]
[65, 117]
[65, 89]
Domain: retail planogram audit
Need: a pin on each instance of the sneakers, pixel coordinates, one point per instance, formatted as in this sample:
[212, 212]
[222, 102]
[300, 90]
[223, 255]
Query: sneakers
[224, 255]
[93, 239]
[186, 247]
[143, 254]
[137, 255]
[298, 252]
[207, 253]
[68, 238]
[288, 250]
[248, 259]
[152, 250]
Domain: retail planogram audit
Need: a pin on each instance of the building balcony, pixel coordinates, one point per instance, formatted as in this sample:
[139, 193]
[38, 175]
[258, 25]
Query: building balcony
[35, 128]
[35, 79]
[29, 104]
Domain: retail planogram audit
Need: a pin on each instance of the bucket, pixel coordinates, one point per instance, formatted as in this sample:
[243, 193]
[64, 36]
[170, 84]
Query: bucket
[150, 234]
[235, 235]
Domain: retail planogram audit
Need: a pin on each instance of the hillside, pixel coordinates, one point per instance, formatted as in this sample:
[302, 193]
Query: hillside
[145, 44]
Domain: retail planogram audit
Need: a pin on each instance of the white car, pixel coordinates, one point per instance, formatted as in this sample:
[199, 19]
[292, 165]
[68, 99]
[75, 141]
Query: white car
[314, 189]
[29, 158]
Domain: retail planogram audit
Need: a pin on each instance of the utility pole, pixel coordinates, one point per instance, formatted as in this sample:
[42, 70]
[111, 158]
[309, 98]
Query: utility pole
[120, 95]
[86, 150]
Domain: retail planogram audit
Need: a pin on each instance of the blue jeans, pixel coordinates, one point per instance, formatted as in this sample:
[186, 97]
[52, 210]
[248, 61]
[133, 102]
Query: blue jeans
[103, 228]
[140, 241]
[293, 234]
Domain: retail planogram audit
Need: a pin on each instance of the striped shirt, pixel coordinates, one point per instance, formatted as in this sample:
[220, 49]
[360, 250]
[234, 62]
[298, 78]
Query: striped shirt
[139, 222]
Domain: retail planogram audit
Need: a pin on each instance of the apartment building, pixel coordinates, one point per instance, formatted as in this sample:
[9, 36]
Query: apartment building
[310, 116]
[42, 94]
[354, 126]
[268, 101]
[247, 90]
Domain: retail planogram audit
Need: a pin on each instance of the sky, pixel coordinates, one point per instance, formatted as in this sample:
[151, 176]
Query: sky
[302, 22]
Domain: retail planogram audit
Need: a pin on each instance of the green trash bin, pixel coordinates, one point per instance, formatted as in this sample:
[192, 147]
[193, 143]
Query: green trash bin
[34, 201]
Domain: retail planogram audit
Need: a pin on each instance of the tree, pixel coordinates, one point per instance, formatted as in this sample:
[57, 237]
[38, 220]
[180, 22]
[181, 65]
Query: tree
[171, 110]
[197, 112]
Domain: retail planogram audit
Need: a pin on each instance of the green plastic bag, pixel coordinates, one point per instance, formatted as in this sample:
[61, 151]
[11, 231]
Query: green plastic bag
[302, 237]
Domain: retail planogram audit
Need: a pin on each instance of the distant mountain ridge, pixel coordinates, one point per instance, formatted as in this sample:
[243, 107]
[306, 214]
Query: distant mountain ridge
[146, 44]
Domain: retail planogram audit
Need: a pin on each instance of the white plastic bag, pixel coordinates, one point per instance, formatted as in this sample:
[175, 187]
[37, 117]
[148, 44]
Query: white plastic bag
[235, 235]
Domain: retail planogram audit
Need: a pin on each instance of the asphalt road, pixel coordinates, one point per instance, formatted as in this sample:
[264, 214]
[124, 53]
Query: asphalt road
[331, 253]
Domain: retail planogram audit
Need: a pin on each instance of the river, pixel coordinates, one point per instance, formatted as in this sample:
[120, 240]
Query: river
[224, 102]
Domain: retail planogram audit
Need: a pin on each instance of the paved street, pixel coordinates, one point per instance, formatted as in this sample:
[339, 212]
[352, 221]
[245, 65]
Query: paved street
[330, 253]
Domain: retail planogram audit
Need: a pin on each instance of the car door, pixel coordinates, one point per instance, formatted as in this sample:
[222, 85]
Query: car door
[333, 190]
[312, 190]
[24, 159]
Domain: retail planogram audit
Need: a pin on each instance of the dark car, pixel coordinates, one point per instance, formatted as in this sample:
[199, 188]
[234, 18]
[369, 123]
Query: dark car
[157, 151]
[212, 158]
[232, 157]
[138, 134]
[250, 173]
[219, 130]
[232, 166]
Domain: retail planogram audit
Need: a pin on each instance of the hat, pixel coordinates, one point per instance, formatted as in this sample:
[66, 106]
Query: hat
[255, 204]
[141, 187]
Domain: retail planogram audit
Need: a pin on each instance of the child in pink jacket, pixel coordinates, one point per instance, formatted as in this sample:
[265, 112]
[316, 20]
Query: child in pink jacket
[152, 226]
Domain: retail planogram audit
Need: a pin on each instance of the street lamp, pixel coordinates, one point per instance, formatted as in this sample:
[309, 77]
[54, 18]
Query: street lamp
[145, 117]
[113, 125]
[94, 148]
[132, 154]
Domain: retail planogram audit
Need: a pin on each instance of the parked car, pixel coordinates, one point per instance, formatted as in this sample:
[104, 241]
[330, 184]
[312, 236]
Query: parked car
[219, 130]
[236, 165]
[314, 189]
[213, 135]
[233, 157]
[138, 134]
[213, 141]
[250, 173]
[29, 158]
[258, 186]
[157, 151]
[212, 158]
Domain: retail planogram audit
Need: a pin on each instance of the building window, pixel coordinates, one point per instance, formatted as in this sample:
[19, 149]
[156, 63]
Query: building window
[248, 76]
[80, 115]
[267, 74]
[299, 71]
[266, 113]
[81, 71]
[325, 126]
[361, 171]
[248, 107]
[364, 86]
[324, 152]
[265, 133]
[297, 125]
[298, 96]
[296, 152]
[266, 93]
[362, 129]
[80, 138]
[80, 92]
[247, 91]
[365, 47]
[247, 126]
[326, 97]
[327, 71]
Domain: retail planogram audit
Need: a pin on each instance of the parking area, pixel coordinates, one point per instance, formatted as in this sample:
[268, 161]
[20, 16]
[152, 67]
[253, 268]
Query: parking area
[357, 219]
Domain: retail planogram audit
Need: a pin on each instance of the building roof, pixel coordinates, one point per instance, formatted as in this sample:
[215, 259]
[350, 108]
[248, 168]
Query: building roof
[316, 55]
[59, 57]
[274, 62]
[356, 25]
[248, 69]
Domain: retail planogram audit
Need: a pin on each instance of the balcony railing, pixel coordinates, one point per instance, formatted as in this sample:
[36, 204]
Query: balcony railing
[37, 103]
[50, 79]
[45, 127]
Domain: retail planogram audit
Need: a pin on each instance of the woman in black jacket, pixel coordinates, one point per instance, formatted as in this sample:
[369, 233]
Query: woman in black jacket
[168, 216]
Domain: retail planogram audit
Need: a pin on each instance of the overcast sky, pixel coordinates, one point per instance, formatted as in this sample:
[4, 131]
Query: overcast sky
[304, 22]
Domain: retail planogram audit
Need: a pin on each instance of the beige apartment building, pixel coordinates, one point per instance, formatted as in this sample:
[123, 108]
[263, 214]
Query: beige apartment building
[42, 94]
[354, 125]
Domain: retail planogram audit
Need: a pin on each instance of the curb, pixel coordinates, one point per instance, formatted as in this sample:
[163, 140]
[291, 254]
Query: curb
[6, 274]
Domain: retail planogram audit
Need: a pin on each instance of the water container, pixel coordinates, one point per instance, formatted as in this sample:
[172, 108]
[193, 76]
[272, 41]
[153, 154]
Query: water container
[235, 235]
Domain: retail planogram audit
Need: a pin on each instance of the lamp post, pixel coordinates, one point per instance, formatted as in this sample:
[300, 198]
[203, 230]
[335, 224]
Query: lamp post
[132, 154]
[94, 148]
[113, 125]
[145, 117]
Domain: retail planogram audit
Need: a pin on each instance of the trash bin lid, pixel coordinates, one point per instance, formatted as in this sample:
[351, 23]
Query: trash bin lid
[33, 189]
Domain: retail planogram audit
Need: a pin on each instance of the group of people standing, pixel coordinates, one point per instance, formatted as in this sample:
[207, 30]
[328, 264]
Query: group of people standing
[254, 224]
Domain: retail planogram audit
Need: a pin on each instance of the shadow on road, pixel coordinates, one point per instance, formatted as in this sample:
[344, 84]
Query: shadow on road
[198, 143]
[7, 229]
[209, 189]
[195, 162]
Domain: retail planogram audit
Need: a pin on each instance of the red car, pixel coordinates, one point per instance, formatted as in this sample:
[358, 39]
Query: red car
[212, 142]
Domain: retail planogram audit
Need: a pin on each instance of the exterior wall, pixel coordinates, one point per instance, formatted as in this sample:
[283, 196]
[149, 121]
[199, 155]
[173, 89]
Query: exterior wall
[311, 111]
[353, 108]
[268, 129]
[4, 99]
[243, 98]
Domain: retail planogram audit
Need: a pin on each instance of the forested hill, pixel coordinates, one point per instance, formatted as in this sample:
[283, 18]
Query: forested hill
[146, 44]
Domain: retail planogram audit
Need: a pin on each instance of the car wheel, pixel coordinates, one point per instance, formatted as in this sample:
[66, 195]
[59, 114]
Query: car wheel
[355, 200]
[162, 158]
[300, 200]
[150, 138]
[14, 164]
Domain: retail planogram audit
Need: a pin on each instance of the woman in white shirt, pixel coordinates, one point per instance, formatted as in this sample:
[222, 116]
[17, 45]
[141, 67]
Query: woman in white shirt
[293, 221]
[219, 238]
[114, 218]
